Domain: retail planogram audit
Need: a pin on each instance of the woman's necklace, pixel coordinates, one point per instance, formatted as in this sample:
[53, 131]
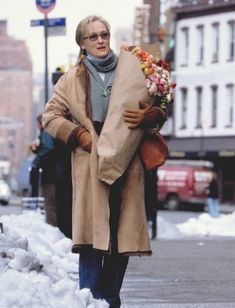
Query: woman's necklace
[107, 88]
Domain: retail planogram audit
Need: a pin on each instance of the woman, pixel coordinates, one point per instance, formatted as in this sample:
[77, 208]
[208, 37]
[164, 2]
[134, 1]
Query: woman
[109, 222]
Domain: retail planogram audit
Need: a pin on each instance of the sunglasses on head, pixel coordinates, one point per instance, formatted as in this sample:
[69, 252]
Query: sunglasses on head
[94, 37]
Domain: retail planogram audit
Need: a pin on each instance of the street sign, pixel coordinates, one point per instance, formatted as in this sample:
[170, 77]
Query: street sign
[36, 22]
[56, 22]
[45, 6]
[56, 31]
[51, 22]
[56, 26]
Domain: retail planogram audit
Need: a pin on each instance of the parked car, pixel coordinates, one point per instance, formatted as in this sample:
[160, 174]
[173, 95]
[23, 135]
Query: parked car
[5, 192]
[183, 184]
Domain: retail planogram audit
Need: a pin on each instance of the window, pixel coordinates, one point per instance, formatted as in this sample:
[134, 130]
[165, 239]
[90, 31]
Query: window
[185, 46]
[215, 42]
[198, 107]
[229, 105]
[200, 44]
[231, 40]
[214, 90]
[184, 94]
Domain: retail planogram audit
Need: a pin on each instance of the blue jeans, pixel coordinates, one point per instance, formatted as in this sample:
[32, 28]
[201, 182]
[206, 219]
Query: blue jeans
[213, 207]
[103, 274]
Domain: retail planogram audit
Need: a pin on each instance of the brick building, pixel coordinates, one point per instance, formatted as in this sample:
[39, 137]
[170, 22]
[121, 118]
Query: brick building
[15, 98]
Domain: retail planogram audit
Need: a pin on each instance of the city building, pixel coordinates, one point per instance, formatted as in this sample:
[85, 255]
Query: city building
[15, 98]
[122, 36]
[204, 107]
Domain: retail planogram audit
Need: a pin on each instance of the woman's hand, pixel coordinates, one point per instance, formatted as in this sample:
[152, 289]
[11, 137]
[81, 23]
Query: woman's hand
[139, 117]
[34, 146]
[85, 141]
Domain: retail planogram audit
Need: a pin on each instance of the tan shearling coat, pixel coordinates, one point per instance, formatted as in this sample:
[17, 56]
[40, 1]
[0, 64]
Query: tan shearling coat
[90, 195]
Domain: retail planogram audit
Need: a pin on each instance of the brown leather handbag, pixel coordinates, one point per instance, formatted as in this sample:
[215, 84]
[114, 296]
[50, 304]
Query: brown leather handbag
[153, 150]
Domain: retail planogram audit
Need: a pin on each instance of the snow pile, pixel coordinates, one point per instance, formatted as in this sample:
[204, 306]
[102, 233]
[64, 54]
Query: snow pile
[167, 230]
[205, 225]
[37, 268]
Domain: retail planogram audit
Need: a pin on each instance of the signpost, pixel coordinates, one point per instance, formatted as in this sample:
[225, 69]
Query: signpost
[52, 22]
[56, 26]
[45, 6]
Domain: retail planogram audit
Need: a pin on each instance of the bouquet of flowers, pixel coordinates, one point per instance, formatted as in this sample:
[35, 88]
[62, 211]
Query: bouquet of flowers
[117, 143]
[157, 76]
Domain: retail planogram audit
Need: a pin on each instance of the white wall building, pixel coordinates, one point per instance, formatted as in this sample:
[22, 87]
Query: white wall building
[204, 106]
[204, 70]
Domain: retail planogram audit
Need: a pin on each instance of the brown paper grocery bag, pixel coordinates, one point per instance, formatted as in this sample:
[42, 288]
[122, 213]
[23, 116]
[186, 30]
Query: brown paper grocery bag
[117, 143]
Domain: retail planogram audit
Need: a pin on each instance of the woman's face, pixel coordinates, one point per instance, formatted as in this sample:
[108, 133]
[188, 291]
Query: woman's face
[96, 40]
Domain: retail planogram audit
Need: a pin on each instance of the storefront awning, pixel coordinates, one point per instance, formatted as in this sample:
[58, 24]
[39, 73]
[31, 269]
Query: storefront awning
[201, 147]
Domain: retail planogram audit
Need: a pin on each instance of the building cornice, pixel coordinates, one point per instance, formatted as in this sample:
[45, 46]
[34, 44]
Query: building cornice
[201, 8]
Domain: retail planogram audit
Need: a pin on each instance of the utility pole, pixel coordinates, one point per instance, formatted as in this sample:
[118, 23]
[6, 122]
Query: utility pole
[45, 7]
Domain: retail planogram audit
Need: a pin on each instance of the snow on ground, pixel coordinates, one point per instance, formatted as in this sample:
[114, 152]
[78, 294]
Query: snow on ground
[205, 225]
[37, 268]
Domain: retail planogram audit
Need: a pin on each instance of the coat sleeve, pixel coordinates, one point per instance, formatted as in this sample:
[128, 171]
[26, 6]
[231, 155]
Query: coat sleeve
[161, 117]
[160, 112]
[45, 153]
[56, 114]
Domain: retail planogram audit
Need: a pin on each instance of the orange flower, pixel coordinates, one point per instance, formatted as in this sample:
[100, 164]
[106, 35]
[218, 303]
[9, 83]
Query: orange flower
[157, 76]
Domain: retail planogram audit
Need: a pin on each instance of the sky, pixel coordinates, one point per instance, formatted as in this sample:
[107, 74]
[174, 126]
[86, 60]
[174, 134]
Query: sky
[62, 49]
[37, 268]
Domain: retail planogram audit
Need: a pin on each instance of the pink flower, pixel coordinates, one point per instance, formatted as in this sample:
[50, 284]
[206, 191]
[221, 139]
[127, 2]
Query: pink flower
[152, 89]
[157, 76]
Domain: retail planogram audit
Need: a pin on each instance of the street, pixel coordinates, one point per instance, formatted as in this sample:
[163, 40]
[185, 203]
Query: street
[13, 208]
[192, 272]
[182, 273]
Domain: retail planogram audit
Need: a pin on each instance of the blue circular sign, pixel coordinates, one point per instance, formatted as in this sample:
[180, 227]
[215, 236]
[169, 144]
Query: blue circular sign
[45, 6]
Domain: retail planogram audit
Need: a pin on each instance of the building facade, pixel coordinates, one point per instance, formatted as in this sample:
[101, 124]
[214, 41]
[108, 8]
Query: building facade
[15, 98]
[204, 107]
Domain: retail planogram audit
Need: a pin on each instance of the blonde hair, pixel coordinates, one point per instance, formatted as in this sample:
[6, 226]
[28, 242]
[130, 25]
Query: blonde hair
[81, 28]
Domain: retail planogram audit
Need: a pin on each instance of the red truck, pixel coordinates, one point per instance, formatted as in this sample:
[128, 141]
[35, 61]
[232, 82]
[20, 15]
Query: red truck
[183, 183]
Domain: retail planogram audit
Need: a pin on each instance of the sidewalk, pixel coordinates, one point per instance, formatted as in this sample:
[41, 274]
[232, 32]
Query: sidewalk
[182, 273]
[227, 208]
